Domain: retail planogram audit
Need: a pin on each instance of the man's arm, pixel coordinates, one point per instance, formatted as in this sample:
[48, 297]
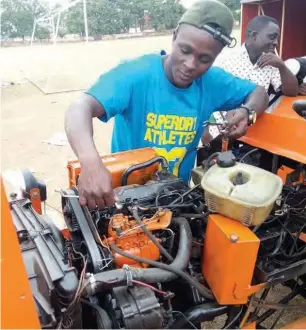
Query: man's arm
[79, 130]
[289, 82]
[257, 100]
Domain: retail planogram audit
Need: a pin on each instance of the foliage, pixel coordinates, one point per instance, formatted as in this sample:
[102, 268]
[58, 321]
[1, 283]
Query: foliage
[115, 16]
[18, 16]
[234, 6]
[103, 16]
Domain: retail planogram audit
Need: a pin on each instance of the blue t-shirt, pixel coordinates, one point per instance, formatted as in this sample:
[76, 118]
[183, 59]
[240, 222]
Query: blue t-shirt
[151, 112]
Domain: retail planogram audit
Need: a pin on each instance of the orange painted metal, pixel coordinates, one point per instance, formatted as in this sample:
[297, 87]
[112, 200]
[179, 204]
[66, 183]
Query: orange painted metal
[284, 172]
[230, 252]
[36, 200]
[297, 324]
[117, 163]
[18, 309]
[127, 235]
[251, 326]
[282, 132]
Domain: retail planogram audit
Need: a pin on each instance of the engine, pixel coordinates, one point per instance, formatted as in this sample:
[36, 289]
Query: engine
[166, 255]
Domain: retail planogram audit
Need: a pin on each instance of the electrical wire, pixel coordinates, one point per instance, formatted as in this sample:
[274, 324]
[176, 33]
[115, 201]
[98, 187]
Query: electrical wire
[247, 313]
[184, 316]
[186, 193]
[297, 236]
[228, 326]
[164, 293]
[247, 154]
[158, 197]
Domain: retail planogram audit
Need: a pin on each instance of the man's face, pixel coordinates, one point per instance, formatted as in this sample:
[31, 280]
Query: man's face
[266, 40]
[194, 51]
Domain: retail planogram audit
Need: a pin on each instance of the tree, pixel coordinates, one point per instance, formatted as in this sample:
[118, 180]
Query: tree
[115, 16]
[18, 16]
[234, 6]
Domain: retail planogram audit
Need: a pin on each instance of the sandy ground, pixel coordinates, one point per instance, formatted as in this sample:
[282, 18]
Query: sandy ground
[29, 117]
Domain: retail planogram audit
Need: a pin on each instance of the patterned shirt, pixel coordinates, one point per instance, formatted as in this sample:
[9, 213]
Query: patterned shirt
[238, 63]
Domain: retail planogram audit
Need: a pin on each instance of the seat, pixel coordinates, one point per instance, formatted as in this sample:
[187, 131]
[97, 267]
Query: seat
[299, 106]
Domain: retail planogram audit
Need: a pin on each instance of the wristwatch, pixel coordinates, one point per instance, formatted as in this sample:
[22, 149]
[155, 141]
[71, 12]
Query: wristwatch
[252, 115]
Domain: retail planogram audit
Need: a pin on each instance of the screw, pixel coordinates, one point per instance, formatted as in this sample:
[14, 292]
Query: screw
[13, 195]
[35, 195]
[234, 238]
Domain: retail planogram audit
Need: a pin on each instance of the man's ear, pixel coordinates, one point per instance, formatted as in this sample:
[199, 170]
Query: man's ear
[253, 35]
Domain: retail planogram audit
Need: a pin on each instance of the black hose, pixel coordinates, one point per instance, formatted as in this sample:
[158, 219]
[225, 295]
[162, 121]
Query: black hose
[162, 250]
[118, 277]
[185, 194]
[103, 320]
[198, 314]
[202, 290]
[209, 159]
[235, 319]
[140, 166]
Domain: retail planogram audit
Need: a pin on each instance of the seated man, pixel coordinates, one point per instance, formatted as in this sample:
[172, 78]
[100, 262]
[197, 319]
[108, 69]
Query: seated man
[256, 61]
[162, 102]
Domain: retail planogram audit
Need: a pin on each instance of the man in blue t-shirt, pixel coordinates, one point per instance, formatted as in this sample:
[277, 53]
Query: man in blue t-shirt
[162, 101]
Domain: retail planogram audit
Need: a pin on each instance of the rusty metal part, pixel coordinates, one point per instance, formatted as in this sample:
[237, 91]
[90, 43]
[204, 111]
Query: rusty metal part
[129, 237]
[36, 200]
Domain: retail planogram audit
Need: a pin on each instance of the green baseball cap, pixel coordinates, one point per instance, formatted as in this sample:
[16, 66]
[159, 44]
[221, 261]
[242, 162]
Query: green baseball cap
[212, 16]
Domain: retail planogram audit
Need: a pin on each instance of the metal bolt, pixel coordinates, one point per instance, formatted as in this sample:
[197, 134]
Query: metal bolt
[13, 195]
[35, 195]
[234, 238]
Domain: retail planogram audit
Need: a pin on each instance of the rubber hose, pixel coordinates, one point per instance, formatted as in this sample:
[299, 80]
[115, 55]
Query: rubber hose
[103, 320]
[162, 250]
[202, 290]
[118, 277]
[199, 314]
[159, 159]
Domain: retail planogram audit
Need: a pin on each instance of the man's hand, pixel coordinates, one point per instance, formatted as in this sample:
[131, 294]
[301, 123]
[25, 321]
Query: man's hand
[302, 89]
[237, 123]
[270, 59]
[95, 185]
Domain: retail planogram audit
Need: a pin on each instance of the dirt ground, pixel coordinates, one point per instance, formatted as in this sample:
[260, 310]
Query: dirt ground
[29, 117]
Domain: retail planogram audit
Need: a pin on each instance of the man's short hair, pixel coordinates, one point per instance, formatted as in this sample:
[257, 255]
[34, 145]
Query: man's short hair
[258, 23]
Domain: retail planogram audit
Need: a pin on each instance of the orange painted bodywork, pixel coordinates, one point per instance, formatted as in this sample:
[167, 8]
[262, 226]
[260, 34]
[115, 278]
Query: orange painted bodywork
[135, 241]
[117, 163]
[18, 309]
[284, 171]
[228, 265]
[282, 132]
[251, 326]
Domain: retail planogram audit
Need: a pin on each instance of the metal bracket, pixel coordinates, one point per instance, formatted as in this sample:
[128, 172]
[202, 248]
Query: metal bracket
[240, 292]
[129, 275]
